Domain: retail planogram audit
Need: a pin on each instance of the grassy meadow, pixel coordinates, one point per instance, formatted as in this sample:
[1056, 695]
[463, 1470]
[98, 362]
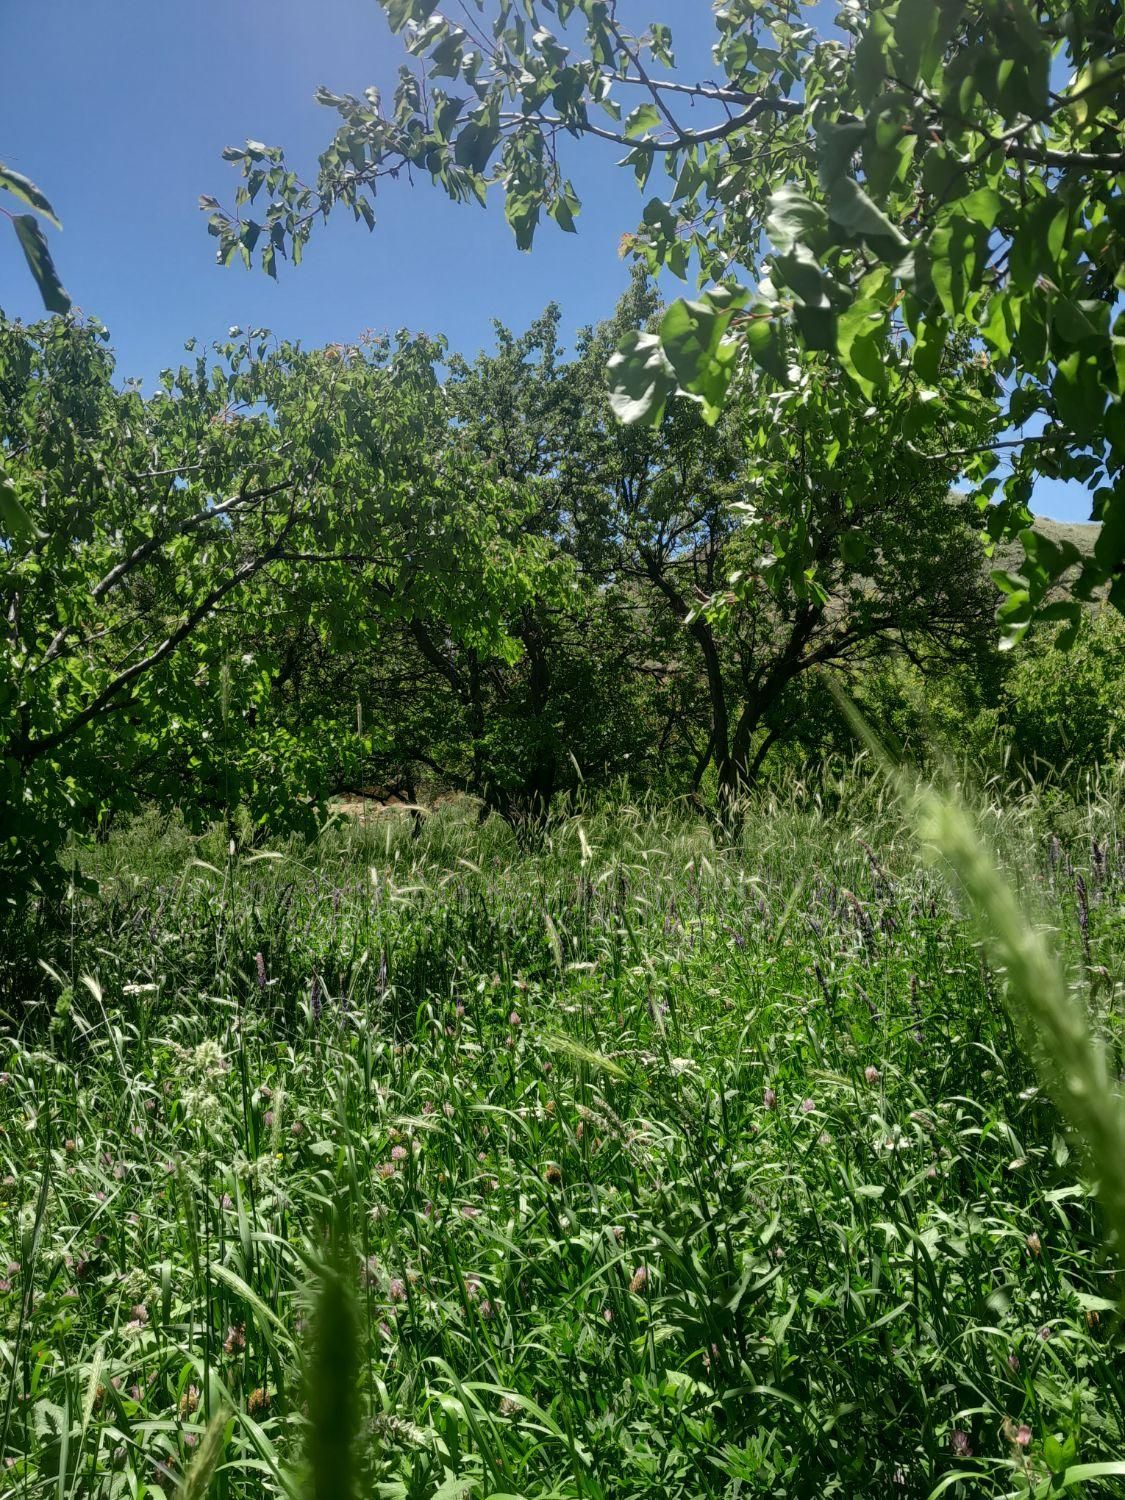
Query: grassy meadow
[631, 1162]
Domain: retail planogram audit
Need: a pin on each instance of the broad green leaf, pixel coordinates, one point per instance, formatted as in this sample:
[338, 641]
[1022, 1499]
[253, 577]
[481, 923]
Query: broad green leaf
[641, 120]
[26, 191]
[793, 219]
[762, 332]
[641, 379]
[851, 208]
[38, 256]
[982, 205]
[861, 331]
[692, 337]
[15, 522]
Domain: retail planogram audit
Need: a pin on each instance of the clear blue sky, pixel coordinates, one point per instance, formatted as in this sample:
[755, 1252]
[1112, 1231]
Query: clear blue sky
[119, 110]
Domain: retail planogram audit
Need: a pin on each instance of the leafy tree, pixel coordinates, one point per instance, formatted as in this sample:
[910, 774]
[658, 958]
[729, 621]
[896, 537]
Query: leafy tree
[784, 546]
[930, 170]
[645, 654]
[148, 543]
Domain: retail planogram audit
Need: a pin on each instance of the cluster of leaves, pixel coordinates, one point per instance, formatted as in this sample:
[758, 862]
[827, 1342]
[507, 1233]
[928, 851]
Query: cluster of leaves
[922, 175]
[670, 1170]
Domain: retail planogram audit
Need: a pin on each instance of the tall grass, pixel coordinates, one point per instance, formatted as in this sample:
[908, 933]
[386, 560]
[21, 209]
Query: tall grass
[670, 1164]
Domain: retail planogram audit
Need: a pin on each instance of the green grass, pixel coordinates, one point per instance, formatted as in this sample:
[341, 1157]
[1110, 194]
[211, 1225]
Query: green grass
[631, 1165]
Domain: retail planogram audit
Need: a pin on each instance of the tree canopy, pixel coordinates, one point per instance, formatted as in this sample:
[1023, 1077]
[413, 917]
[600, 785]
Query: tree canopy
[858, 200]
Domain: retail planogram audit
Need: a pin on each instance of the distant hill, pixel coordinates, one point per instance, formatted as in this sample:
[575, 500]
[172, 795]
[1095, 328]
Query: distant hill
[1082, 533]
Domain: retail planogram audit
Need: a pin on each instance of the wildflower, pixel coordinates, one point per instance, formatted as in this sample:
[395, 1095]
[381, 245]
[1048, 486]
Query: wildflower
[396, 1291]
[1023, 1435]
[871, 1073]
[189, 1402]
[258, 1401]
[399, 1153]
[959, 1442]
[769, 1098]
[553, 1174]
[485, 1309]
[386, 1169]
[514, 1019]
[267, 1119]
[260, 965]
[640, 1279]
[70, 1146]
[235, 1341]
[807, 1106]
[1044, 1333]
[468, 1211]
[297, 1128]
[1013, 1361]
[607, 1314]
[1034, 1244]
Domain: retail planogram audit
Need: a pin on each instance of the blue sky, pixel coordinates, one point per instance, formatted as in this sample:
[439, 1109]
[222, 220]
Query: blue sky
[120, 109]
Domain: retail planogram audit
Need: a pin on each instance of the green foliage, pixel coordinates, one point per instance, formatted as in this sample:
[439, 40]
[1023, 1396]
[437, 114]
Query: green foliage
[917, 175]
[158, 550]
[1069, 709]
[596, 1256]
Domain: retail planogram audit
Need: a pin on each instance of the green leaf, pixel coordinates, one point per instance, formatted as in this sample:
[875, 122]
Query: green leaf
[641, 120]
[1109, 549]
[915, 29]
[26, 191]
[872, 57]
[38, 256]
[641, 379]
[929, 347]
[851, 208]
[762, 332]
[475, 144]
[983, 205]
[860, 339]
[692, 337]
[792, 219]
[15, 522]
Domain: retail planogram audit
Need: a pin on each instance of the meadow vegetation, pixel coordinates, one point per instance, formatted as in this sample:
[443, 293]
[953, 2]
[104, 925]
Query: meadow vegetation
[663, 1163]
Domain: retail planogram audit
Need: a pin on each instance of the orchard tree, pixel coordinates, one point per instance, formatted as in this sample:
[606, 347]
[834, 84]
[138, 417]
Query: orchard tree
[784, 539]
[148, 542]
[927, 170]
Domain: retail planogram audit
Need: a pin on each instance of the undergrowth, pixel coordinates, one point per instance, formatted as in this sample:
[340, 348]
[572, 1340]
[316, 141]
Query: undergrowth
[648, 1163]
